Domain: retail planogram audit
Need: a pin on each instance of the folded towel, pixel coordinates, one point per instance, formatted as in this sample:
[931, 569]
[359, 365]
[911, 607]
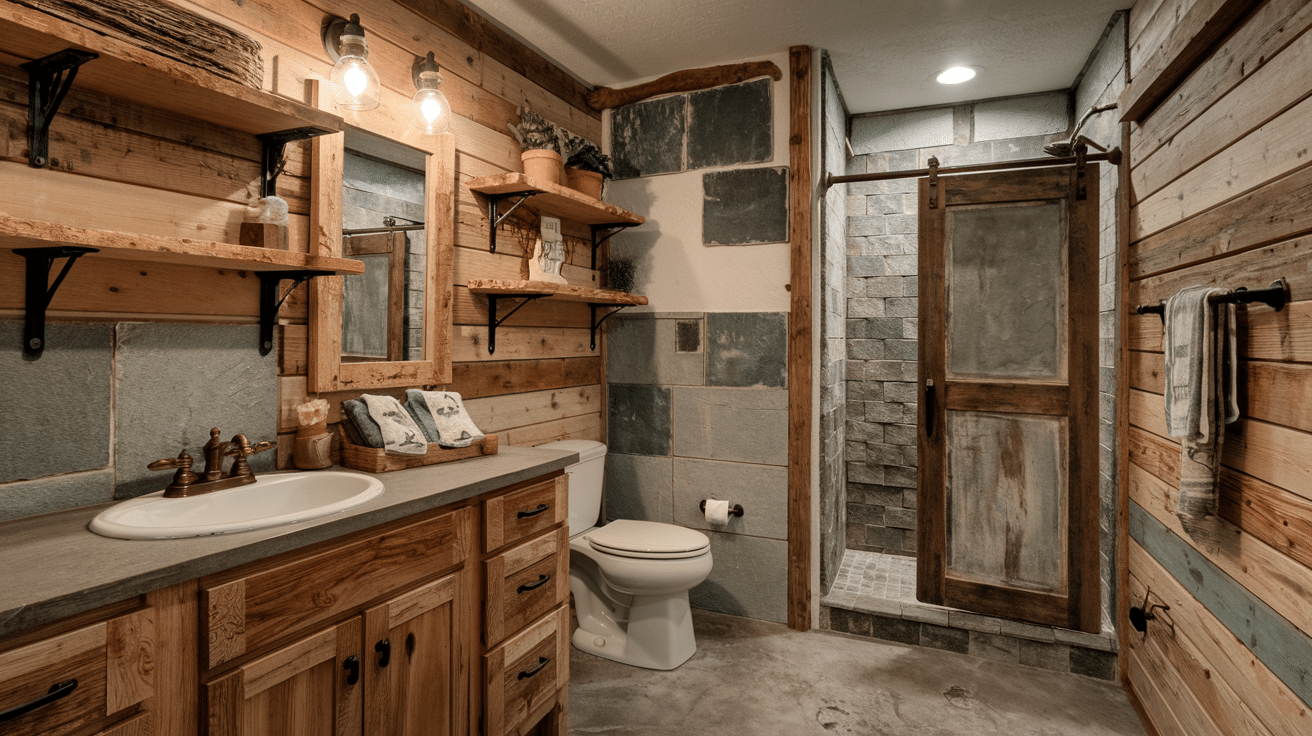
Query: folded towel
[400, 433]
[1201, 397]
[451, 423]
[361, 428]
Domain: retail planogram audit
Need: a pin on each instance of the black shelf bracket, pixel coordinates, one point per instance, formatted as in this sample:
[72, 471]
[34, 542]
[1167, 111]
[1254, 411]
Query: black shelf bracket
[609, 230]
[493, 323]
[272, 162]
[39, 261]
[495, 217]
[271, 302]
[597, 322]
[48, 80]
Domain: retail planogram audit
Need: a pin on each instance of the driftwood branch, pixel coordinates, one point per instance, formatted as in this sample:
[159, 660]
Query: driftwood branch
[688, 80]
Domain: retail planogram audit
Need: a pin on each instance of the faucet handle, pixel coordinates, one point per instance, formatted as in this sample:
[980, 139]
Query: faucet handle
[181, 479]
[241, 448]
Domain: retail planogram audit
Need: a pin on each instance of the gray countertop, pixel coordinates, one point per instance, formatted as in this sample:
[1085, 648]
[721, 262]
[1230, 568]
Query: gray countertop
[52, 567]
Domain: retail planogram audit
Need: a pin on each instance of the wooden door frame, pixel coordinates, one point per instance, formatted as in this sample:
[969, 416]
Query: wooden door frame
[800, 366]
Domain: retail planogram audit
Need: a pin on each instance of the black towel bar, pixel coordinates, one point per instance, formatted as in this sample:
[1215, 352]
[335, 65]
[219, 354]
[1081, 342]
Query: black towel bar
[1275, 296]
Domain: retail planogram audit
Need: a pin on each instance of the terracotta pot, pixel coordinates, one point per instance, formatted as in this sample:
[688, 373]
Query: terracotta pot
[584, 182]
[543, 165]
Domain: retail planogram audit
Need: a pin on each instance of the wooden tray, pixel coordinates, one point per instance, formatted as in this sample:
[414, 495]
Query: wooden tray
[375, 460]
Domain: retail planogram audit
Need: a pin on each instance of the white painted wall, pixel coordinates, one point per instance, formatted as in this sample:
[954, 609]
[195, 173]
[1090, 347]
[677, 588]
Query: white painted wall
[674, 270]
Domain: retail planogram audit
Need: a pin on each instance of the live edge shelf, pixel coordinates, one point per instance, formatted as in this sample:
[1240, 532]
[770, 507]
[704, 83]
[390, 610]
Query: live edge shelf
[495, 289]
[546, 198]
[40, 243]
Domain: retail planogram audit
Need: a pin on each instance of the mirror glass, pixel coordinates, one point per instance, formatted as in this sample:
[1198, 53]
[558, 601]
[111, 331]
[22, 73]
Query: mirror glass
[383, 209]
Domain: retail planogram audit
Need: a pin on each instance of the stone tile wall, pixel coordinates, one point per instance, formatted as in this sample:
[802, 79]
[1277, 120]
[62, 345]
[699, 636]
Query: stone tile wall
[833, 338]
[81, 423]
[697, 409]
[882, 291]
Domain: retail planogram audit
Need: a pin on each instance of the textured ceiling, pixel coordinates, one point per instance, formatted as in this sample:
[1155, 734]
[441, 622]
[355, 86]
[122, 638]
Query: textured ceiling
[885, 52]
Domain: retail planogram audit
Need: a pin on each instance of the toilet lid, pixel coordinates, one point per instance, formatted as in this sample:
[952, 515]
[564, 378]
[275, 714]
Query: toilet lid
[629, 538]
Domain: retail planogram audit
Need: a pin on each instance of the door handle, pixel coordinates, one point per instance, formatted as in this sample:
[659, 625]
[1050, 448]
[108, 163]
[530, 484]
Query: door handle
[352, 666]
[930, 412]
[384, 649]
[542, 662]
[532, 512]
[57, 691]
[526, 587]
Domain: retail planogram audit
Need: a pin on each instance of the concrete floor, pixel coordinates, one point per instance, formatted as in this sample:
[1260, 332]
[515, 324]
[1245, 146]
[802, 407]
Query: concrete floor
[759, 678]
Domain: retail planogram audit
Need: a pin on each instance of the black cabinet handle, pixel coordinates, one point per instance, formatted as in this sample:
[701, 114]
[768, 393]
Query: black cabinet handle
[352, 666]
[410, 646]
[526, 587]
[57, 691]
[542, 662]
[533, 512]
[384, 649]
[930, 412]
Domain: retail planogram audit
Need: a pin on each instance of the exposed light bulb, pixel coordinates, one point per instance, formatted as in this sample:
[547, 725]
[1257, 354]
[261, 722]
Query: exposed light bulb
[354, 82]
[432, 111]
[956, 75]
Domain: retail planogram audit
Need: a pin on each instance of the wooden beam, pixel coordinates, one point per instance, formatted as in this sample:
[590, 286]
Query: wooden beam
[687, 80]
[1207, 22]
[799, 340]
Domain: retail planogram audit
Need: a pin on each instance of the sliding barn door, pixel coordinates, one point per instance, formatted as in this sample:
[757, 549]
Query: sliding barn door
[1008, 477]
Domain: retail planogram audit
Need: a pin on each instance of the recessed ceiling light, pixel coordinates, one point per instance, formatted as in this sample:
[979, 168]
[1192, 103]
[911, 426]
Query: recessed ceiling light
[956, 75]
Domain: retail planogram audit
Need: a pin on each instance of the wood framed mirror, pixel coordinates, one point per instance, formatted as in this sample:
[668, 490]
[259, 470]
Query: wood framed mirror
[390, 327]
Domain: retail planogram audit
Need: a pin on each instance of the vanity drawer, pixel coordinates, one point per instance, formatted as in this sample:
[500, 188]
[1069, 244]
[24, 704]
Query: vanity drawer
[103, 669]
[525, 582]
[252, 606]
[523, 675]
[510, 517]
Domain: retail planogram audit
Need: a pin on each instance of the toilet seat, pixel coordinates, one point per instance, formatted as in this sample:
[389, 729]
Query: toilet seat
[648, 540]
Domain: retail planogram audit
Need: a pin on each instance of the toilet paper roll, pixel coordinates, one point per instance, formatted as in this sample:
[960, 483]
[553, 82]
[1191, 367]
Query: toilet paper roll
[717, 512]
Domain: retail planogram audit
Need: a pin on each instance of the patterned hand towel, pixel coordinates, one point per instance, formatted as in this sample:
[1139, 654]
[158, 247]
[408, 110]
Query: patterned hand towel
[359, 426]
[1201, 380]
[400, 433]
[451, 422]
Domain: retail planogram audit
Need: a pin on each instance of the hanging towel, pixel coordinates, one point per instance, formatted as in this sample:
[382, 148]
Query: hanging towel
[400, 433]
[1201, 397]
[450, 421]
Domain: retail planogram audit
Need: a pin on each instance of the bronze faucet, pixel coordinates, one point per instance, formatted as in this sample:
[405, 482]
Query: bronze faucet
[187, 483]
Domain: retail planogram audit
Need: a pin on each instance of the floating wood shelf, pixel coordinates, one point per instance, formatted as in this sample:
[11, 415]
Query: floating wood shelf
[40, 243]
[496, 289]
[135, 74]
[550, 199]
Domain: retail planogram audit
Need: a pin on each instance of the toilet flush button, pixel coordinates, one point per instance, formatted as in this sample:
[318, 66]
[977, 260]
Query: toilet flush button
[599, 642]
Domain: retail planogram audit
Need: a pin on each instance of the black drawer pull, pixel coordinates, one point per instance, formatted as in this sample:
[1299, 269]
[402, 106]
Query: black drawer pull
[526, 587]
[57, 691]
[352, 666]
[384, 649]
[533, 512]
[542, 662]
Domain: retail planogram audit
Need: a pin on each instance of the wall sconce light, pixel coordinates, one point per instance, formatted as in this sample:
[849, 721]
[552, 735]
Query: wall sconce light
[431, 109]
[354, 81]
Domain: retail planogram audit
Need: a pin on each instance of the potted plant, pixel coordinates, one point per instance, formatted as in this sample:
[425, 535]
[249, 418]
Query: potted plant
[587, 168]
[541, 143]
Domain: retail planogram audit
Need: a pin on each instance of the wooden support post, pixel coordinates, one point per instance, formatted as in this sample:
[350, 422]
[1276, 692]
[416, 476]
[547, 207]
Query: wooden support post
[800, 367]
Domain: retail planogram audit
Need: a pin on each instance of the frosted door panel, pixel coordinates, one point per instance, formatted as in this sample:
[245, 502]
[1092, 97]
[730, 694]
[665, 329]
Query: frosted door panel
[1006, 291]
[1006, 500]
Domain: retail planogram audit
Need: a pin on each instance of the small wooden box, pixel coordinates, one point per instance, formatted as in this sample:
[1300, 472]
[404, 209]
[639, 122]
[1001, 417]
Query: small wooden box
[376, 460]
[264, 235]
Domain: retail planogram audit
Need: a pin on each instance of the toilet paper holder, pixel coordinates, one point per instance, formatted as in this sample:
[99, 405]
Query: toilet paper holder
[734, 510]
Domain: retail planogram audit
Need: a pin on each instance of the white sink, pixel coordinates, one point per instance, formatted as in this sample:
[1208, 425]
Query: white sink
[272, 500]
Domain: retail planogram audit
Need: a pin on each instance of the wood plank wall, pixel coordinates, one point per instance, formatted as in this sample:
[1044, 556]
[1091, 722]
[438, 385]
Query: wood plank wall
[1220, 193]
[125, 167]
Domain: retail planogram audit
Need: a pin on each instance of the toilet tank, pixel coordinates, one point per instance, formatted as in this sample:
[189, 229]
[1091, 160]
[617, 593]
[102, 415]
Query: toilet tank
[586, 478]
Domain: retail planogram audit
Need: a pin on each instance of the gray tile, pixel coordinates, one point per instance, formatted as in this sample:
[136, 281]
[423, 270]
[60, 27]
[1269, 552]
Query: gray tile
[895, 629]
[1055, 657]
[924, 613]
[994, 646]
[761, 489]
[643, 349]
[1093, 663]
[973, 622]
[730, 125]
[849, 622]
[55, 493]
[942, 637]
[173, 382]
[1022, 630]
[742, 425]
[747, 349]
[749, 578]
[745, 206]
[1084, 640]
[57, 409]
[647, 137]
[900, 518]
[638, 419]
[638, 487]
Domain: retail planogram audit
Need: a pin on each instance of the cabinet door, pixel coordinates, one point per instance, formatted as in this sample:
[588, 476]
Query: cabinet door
[412, 667]
[309, 688]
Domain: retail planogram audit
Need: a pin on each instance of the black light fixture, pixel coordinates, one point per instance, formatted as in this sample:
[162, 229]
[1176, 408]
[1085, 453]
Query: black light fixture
[354, 81]
[432, 111]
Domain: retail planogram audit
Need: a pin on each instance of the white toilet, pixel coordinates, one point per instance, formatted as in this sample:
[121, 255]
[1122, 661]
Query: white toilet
[630, 579]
